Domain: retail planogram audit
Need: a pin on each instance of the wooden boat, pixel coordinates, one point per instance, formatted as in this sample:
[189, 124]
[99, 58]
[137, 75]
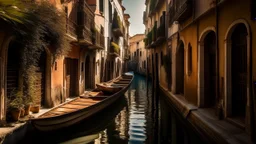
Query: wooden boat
[80, 108]
[108, 88]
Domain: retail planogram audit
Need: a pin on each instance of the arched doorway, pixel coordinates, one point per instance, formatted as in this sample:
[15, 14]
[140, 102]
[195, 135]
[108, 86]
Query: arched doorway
[13, 67]
[180, 69]
[210, 70]
[239, 71]
[238, 79]
[87, 72]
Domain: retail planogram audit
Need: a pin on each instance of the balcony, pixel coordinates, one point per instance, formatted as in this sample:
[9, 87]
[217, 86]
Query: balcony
[117, 26]
[114, 49]
[71, 29]
[85, 24]
[98, 40]
[161, 33]
[182, 11]
[148, 40]
[152, 7]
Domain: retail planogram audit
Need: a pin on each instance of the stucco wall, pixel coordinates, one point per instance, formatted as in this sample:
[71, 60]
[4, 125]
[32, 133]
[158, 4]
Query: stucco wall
[57, 82]
[189, 35]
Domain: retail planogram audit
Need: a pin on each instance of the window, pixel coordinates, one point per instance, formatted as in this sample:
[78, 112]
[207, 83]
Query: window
[140, 53]
[189, 59]
[101, 6]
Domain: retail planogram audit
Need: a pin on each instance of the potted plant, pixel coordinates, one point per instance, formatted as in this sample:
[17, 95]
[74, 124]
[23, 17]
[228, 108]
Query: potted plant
[32, 99]
[15, 104]
[27, 104]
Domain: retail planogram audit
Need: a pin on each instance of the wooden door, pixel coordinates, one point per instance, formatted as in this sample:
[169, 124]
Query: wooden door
[71, 76]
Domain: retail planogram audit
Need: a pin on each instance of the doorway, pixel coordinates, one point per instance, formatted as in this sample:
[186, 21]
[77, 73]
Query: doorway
[210, 70]
[71, 77]
[239, 71]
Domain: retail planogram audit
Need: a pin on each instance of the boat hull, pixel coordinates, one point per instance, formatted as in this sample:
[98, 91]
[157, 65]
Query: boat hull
[62, 121]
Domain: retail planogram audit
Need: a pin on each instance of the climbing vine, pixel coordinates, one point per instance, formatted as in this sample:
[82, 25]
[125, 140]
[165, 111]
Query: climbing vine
[37, 27]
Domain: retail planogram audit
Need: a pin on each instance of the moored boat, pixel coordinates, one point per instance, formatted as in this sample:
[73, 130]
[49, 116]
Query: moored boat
[80, 108]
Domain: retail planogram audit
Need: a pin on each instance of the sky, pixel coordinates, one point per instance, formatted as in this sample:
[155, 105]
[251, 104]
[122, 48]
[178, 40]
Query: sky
[135, 9]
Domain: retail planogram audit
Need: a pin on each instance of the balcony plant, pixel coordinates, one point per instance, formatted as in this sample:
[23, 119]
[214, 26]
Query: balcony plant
[115, 48]
[117, 25]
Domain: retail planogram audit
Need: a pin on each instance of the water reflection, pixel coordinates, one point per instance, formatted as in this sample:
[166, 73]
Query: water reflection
[138, 117]
[131, 124]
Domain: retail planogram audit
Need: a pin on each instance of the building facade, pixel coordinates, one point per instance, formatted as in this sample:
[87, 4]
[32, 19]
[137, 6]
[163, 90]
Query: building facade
[210, 63]
[90, 32]
[138, 53]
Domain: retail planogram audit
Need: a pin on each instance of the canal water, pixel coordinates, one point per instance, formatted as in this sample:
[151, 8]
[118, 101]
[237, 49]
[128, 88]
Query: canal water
[138, 117]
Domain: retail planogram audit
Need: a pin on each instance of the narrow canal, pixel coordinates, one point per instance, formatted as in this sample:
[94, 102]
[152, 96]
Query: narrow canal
[135, 118]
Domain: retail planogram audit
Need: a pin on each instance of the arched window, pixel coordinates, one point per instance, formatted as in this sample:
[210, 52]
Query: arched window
[189, 59]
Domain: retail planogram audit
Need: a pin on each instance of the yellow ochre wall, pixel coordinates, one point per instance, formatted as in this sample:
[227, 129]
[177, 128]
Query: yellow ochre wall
[189, 35]
[234, 11]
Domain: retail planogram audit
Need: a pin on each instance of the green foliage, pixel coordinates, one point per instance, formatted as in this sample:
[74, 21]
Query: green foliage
[36, 27]
[11, 12]
[115, 47]
[15, 100]
[117, 24]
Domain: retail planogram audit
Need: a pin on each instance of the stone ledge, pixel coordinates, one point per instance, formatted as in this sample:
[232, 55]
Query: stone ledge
[4, 131]
[219, 131]
[180, 102]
